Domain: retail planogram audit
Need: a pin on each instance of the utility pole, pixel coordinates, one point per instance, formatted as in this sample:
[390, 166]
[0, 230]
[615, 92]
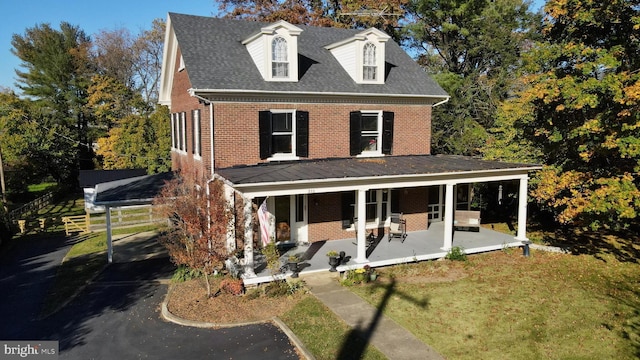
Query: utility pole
[4, 192]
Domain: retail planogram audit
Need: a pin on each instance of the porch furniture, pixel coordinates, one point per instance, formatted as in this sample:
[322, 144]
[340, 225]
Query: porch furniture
[467, 218]
[397, 227]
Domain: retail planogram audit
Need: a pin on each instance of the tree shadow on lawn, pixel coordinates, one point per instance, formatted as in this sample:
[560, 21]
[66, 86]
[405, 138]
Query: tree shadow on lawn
[623, 245]
[360, 336]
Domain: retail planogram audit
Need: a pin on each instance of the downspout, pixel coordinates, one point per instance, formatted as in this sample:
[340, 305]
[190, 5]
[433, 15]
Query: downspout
[441, 102]
[210, 103]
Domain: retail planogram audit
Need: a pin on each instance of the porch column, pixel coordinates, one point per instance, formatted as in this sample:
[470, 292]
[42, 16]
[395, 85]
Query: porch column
[361, 227]
[109, 238]
[522, 209]
[248, 239]
[231, 227]
[448, 217]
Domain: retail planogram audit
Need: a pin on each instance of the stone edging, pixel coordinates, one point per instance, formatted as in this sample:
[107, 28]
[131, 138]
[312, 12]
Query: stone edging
[167, 315]
[553, 249]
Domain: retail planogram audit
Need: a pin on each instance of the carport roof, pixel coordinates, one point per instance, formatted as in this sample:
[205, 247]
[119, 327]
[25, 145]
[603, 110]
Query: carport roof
[345, 168]
[132, 191]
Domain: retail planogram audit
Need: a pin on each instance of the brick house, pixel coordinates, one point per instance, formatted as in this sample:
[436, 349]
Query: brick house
[328, 125]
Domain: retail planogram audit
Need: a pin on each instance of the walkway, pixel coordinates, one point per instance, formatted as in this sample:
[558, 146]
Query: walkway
[394, 341]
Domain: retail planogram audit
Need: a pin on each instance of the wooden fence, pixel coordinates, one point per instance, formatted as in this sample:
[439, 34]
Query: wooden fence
[126, 216]
[32, 207]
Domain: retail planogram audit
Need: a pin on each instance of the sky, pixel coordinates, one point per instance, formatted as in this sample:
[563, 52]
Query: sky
[91, 16]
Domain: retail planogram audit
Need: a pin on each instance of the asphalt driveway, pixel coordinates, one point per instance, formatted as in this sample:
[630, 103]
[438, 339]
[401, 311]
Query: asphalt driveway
[118, 315]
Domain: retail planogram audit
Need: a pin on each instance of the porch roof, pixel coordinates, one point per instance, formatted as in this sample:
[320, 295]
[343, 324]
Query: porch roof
[375, 168]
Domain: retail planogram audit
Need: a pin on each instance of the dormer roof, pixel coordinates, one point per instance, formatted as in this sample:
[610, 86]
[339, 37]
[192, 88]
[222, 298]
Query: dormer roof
[217, 61]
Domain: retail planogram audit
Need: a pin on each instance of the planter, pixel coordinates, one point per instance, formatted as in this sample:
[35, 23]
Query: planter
[293, 266]
[333, 262]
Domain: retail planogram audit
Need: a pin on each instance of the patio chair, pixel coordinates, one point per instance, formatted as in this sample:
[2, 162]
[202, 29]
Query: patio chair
[397, 227]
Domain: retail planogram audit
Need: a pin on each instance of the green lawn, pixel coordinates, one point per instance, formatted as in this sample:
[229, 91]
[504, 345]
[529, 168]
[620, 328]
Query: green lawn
[502, 305]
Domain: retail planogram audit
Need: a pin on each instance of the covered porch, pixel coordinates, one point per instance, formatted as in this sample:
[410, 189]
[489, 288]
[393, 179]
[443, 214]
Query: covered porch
[417, 246]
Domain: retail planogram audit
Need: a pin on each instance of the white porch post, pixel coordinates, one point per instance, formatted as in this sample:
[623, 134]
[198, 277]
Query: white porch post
[109, 238]
[248, 239]
[522, 209]
[448, 217]
[361, 226]
[231, 227]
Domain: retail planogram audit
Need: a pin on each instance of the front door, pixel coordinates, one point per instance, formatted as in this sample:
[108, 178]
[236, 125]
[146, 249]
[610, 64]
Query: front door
[291, 217]
[299, 230]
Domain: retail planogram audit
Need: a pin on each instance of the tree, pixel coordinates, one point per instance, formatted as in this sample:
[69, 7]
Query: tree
[385, 15]
[138, 141]
[579, 96]
[472, 47]
[58, 69]
[200, 215]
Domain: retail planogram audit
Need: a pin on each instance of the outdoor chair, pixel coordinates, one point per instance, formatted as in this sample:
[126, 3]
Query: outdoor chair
[397, 227]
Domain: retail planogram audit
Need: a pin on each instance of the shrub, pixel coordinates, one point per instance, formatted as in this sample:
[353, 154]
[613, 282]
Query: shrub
[456, 254]
[184, 273]
[232, 286]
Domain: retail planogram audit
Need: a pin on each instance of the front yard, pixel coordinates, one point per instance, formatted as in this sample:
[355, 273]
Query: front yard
[502, 305]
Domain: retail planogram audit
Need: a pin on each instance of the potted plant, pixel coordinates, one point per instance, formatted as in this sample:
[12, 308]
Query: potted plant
[334, 260]
[292, 262]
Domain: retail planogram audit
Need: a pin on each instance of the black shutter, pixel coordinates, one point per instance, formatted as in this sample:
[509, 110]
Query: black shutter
[387, 132]
[302, 133]
[355, 126]
[265, 134]
[348, 200]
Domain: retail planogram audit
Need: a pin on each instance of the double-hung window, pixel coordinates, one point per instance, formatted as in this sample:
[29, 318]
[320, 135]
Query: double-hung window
[178, 131]
[377, 204]
[371, 133]
[279, 58]
[369, 62]
[284, 134]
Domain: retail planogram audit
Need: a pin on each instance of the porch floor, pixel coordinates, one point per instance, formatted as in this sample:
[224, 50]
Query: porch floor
[417, 246]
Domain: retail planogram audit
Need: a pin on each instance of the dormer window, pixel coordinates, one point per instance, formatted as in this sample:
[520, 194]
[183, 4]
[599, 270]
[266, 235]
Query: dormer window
[369, 60]
[279, 63]
[274, 51]
[362, 56]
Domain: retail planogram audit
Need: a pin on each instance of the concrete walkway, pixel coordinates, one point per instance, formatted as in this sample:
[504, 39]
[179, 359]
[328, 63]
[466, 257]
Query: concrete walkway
[394, 341]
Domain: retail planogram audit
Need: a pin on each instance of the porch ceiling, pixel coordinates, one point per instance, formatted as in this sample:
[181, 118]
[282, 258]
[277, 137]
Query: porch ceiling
[397, 170]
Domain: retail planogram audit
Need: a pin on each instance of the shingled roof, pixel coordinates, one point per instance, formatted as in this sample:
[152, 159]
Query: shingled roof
[215, 59]
[354, 168]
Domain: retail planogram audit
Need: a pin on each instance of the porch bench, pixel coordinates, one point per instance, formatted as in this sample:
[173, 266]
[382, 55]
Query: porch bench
[467, 218]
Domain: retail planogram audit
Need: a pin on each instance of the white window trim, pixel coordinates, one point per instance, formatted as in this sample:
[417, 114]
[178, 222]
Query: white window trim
[375, 65]
[182, 129]
[279, 61]
[197, 123]
[292, 155]
[378, 151]
[173, 131]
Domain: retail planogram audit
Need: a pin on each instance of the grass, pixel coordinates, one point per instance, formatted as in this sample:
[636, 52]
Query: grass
[323, 333]
[504, 306]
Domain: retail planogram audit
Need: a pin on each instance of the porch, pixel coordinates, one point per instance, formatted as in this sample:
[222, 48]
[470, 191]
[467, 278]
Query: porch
[417, 246]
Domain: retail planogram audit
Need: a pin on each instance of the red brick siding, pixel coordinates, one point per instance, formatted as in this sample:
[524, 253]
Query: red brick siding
[237, 138]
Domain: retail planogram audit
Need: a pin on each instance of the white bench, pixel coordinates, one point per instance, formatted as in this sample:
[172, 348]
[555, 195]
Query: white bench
[467, 218]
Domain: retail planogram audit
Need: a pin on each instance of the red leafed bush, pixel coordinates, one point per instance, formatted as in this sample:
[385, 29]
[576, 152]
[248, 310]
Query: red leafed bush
[232, 286]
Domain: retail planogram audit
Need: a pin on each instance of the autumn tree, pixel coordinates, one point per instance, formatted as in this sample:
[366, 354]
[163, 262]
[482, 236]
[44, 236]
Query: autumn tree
[200, 213]
[472, 47]
[577, 111]
[385, 15]
[138, 141]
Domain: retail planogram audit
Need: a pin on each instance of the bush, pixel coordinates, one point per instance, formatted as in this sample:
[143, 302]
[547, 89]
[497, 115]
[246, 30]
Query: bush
[6, 232]
[184, 273]
[232, 286]
[456, 254]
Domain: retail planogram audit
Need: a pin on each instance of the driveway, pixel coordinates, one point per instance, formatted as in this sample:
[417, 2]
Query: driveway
[118, 315]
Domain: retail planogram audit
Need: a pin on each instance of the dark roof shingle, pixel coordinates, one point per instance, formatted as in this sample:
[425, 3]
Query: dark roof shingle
[216, 59]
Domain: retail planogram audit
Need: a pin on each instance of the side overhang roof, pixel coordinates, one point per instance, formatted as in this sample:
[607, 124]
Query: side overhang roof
[139, 190]
[341, 174]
